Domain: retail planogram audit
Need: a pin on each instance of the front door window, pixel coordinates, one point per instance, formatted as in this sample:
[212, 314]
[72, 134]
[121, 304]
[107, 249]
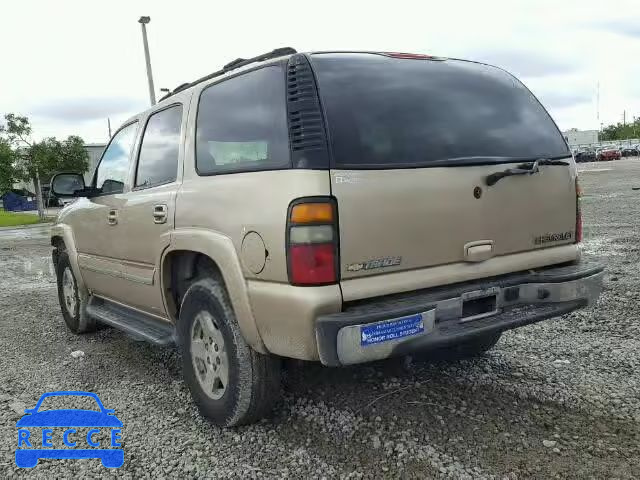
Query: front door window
[114, 166]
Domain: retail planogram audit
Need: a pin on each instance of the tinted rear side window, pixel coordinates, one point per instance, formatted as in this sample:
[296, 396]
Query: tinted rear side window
[388, 112]
[242, 124]
[158, 159]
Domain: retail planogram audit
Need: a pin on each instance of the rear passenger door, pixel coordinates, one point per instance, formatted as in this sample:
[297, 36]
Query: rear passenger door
[147, 218]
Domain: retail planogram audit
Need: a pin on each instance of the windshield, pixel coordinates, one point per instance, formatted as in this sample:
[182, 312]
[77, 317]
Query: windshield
[390, 113]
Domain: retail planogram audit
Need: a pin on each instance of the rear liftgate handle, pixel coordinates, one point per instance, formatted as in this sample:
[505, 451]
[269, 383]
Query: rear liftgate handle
[478, 251]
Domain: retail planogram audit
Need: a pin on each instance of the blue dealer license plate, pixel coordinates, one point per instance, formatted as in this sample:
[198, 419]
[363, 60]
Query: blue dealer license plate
[391, 330]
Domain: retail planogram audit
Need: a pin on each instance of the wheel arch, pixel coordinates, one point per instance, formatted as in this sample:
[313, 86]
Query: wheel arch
[193, 249]
[62, 238]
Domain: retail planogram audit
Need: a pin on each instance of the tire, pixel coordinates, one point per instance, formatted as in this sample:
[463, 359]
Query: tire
[468, 349]
[73, 301]
[234, 385]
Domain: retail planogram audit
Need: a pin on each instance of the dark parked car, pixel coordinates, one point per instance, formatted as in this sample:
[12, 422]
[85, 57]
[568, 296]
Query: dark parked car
[585, 156]
[629, 152]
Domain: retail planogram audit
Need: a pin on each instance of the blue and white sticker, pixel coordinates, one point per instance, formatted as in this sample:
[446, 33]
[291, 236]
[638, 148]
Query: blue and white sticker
[391, 330]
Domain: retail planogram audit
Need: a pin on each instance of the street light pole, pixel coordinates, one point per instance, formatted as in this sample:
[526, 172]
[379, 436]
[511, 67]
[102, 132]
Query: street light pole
[143, 23]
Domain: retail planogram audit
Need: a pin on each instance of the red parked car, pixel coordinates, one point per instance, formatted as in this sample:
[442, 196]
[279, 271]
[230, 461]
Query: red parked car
[606, 154]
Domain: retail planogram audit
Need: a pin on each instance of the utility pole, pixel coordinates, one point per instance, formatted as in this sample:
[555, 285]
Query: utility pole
[109, 127]
[143, 23]
[624, 118]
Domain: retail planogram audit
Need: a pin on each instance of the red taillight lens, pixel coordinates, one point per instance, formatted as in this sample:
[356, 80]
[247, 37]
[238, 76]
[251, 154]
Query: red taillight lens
[312, 242]
[578, 213]
[312, 264]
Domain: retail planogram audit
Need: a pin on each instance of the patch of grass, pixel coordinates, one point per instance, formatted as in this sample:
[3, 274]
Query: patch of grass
[10, 219]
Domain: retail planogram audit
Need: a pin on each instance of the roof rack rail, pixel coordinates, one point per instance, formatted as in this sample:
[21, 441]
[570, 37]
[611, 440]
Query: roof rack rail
[237, 63]
[233, 63]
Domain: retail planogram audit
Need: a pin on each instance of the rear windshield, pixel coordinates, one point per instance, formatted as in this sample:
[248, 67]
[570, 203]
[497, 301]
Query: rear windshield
[393, 113]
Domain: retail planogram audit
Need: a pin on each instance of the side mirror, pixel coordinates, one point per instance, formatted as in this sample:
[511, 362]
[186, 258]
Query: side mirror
[68, 185]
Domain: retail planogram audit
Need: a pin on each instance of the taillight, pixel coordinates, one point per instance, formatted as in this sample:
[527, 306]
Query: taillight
[578, 212]
[312, 242]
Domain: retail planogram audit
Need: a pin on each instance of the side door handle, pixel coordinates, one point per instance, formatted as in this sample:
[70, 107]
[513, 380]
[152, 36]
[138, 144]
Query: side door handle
[160, 213]
[112, 218]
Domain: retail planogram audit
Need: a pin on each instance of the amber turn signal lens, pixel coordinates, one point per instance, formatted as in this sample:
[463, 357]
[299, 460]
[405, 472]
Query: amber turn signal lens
[312, 212]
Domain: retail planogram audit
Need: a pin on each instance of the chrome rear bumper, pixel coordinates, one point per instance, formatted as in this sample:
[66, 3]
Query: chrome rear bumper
[456, 313]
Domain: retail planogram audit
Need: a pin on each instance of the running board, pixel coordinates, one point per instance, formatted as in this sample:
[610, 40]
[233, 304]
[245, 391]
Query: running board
[131, 321]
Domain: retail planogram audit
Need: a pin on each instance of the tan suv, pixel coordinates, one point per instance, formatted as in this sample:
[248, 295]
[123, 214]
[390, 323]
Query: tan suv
[339, 207]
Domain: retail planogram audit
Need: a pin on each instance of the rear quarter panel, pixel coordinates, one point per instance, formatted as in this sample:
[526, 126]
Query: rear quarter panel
[236, 204]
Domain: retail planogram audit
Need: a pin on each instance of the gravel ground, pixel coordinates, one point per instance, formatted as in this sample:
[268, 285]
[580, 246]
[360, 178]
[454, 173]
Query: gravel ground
[560, 399]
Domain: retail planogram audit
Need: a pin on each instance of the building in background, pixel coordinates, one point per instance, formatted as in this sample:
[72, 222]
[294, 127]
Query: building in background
[575, 137]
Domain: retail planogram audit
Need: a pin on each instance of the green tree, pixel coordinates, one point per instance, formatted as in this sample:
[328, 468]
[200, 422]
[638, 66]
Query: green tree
[7, 171]
[38, 161]
[51, 156]
[74, 157]
[17, 132]
[621, 131]
[17, 129]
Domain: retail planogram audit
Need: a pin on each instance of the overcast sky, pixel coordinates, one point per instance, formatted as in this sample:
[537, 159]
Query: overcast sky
[69, 65]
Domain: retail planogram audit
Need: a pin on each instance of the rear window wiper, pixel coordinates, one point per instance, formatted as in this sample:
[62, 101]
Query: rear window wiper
[523, 169]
